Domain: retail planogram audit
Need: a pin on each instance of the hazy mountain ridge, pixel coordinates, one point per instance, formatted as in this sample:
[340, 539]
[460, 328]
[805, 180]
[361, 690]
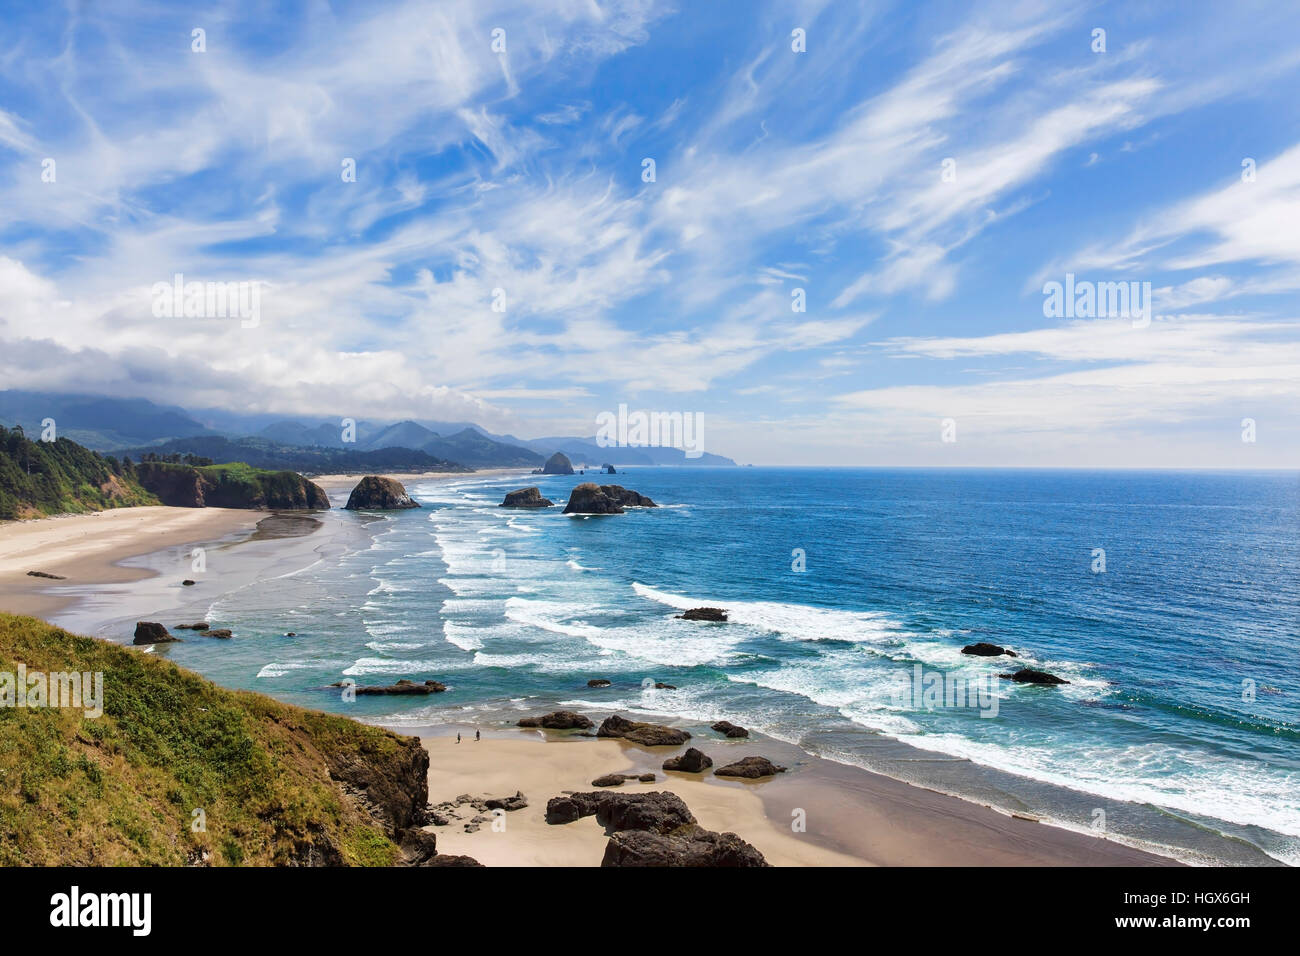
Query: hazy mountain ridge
[131, 426]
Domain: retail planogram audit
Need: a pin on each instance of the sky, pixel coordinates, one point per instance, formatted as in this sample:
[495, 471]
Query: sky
[824, 228]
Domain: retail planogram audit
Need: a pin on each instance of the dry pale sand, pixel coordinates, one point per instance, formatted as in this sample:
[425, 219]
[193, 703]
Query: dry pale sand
[850, 816]
[85, 549]
[544, 768]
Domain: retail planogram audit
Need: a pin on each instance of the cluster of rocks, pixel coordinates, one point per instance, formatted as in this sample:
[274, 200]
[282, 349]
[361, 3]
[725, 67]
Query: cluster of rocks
[618, 779]
[472, 812]
[728, 729]
[704, 614]
[1026, 675]
[46, 574]
[652, 829]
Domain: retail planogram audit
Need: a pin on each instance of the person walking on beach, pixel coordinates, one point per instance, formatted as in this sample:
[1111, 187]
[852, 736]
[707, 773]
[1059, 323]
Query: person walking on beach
[458, 738]
[476, 735]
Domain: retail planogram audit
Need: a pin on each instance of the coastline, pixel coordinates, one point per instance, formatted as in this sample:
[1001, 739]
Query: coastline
[116, 571]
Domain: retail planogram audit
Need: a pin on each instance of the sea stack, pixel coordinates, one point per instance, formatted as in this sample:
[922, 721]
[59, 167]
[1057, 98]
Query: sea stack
[589, 498]
[557, 464]
[376, 493]
[526, 498]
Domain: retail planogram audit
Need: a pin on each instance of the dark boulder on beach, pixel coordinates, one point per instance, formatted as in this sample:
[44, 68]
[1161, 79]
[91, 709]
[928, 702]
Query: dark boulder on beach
[566, 809]
[690, 845]
[1028, 676]
[402, 687]
[598, 682]
[526, 498]
[658, 810]
[46, 574]
[376, 493]
[151, 632]
[517, 802]
[647, 735]
[985, 649]
[728, 729]
[609, 780]
[558, 720]
[187, 583]
[751, 768]
[703, 614]
[451, 859]
[418, 847]
[692, 761]
[557, 464]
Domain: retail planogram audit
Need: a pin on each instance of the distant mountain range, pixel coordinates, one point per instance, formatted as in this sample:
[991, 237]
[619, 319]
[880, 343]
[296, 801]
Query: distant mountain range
[132, 426]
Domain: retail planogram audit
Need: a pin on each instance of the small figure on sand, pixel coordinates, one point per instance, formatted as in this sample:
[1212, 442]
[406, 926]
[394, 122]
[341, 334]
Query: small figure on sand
[458, 738]
[477, 736]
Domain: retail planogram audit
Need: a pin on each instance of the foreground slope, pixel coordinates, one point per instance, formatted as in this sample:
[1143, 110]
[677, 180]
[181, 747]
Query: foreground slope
[276, 784]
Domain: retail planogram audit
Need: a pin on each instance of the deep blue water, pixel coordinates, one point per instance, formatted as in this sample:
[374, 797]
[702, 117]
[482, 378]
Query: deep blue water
[1158, 728]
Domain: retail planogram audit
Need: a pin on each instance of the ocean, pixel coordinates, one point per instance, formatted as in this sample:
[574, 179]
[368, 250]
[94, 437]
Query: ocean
[1169, 600]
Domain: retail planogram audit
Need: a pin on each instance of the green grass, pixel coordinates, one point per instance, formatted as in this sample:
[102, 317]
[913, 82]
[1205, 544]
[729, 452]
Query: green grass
[121, 788]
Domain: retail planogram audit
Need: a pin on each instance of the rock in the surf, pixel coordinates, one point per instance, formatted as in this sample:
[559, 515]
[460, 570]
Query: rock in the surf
[728, 729]
[1029, 676]
[526, 498]
[377, 493]
[703, 614]
[151, 632]
[985, 649]
[558, 464]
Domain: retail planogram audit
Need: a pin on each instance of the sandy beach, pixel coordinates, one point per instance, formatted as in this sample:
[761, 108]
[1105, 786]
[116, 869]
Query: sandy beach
[851, 817]
[86, 549]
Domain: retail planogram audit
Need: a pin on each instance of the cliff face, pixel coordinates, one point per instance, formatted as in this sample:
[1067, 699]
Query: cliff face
[177, 771]
[230, 486]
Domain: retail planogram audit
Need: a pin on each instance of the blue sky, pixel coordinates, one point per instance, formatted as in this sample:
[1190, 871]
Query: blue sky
[775, 170]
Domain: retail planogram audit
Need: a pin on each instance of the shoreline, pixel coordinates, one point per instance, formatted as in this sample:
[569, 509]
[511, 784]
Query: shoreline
[854, 813]
[851, 816]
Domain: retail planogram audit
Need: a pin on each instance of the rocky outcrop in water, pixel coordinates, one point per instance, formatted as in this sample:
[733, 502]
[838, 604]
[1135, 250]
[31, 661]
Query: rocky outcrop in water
[985, 649]
[1029, 676]
[703, 614]
[590, 498]
[151, 632]
[690, 845]
[526, 498]
[403, 686]
[377, 493]
[647, 735]
[558, 720]
[751, 768]
[608, 469]
[598, 682]
[557, 464]
[692, 761]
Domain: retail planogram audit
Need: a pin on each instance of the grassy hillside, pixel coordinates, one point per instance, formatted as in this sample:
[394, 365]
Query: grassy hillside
[42, 478]
[277, 783]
